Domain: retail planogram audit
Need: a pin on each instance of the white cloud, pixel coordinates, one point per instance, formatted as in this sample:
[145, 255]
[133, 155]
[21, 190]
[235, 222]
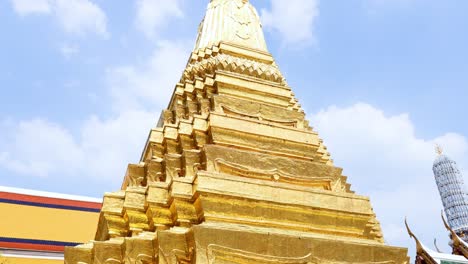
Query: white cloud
[385, 160]
[110, 144]
[69, 50]
[101, 148]
[389, 2]
[153, 15]
[152, 82]
[293, 19]
[81, 16]
[77, 17]
[375, 6]
[27, 7]
[40, 148]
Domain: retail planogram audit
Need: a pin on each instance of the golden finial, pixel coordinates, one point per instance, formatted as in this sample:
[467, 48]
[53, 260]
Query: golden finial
[439, 150]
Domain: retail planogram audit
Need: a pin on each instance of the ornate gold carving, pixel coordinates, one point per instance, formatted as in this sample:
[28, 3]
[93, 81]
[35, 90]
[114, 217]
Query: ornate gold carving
[176, 246]
[272, 174]
[224, 62]
[141, 249]
[161, 208]
[136, 174]
[223, 255]
[82, 254]
[322, 261]
[193, 162]
[205, 107]
[374, 230]
[259, 116]
[109, 252]
[256, 213]
[267, 162]
[111, 220]
[156, 171]
[135, 209]
[174, 165]
[168, 117]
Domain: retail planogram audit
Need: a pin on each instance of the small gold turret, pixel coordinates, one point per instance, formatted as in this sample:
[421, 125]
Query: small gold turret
[439, 149]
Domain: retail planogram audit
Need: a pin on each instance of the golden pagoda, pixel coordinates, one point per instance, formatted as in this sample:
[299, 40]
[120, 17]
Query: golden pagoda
[233, 173]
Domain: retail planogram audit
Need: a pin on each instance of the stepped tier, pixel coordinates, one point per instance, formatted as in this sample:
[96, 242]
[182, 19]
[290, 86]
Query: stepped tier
[233, 173]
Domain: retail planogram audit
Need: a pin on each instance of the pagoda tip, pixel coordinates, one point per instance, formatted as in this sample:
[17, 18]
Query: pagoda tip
[439, 149]
[410, 233]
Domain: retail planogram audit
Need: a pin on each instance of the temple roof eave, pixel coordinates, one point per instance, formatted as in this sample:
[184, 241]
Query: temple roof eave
[428, 255]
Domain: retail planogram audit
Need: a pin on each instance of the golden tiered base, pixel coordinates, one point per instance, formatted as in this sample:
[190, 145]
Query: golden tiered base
[234, 174]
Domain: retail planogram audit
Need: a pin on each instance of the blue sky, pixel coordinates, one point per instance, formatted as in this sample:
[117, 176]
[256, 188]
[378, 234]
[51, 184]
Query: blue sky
[83, 81]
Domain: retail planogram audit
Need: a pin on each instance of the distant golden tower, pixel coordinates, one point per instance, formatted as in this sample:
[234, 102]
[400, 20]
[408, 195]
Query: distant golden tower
[233, 173]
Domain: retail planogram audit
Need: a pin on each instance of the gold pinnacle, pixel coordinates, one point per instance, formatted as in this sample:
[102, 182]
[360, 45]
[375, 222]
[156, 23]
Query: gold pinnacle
[439, 149]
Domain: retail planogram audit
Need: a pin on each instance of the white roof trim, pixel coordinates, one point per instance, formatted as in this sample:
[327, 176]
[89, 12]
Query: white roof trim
[463, 241]
[27, 254]
[438, 257]
[50, 194]
[31, 257]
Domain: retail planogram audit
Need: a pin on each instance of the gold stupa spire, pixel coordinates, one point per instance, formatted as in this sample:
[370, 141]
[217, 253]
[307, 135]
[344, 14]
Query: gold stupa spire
[234, 21]
[234, 173]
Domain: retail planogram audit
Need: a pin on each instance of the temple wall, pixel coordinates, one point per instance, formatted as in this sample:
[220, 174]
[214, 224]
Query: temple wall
[35, 227]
